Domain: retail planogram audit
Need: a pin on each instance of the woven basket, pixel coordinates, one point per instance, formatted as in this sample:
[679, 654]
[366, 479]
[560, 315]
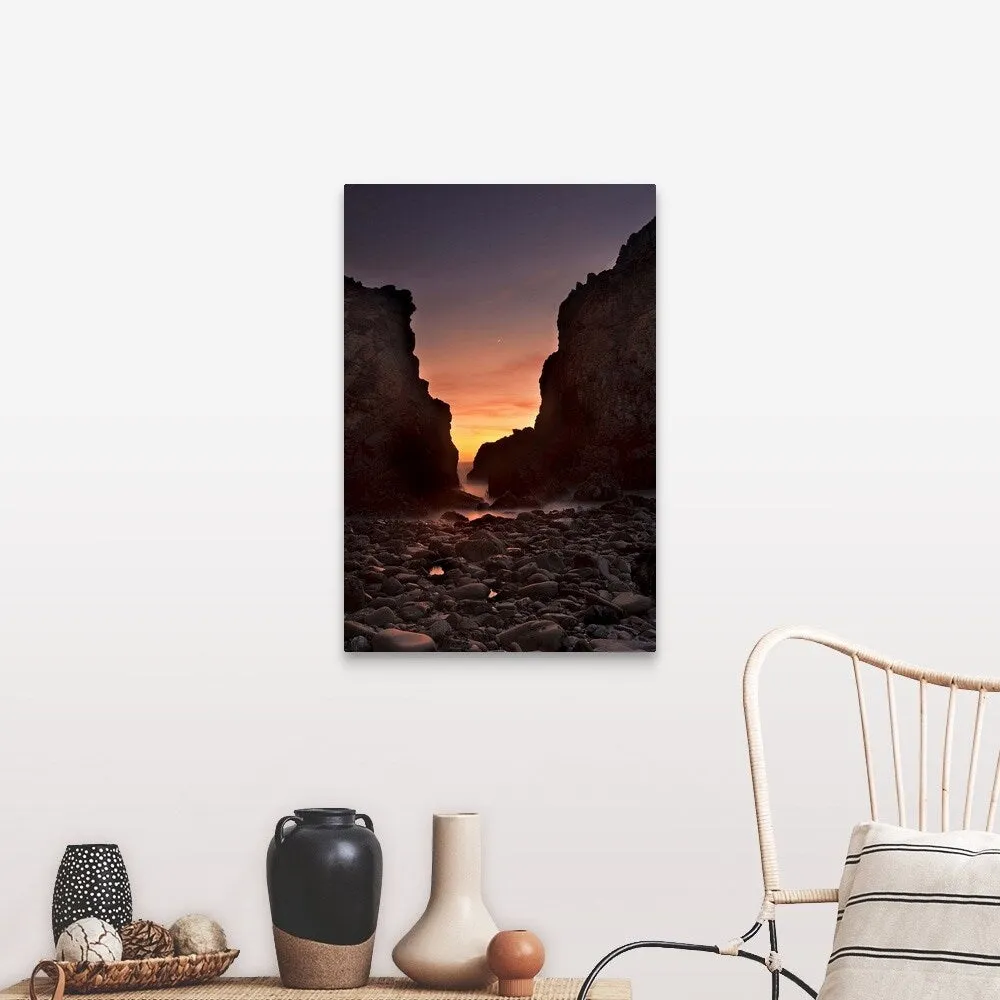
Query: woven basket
[133, 974]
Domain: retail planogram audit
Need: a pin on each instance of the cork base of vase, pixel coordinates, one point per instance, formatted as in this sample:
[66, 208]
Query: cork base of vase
[313, 965]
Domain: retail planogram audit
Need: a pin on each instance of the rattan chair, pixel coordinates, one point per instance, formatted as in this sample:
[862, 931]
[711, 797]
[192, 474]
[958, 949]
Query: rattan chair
[776, 893]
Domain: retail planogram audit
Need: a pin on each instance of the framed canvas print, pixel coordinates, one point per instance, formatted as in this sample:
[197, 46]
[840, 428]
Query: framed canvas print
[499, 418]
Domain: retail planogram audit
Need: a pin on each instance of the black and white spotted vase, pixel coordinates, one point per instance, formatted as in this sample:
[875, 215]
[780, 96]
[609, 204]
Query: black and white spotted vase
[91, 882]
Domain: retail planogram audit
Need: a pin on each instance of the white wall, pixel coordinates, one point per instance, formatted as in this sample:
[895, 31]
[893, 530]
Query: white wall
[171, 182]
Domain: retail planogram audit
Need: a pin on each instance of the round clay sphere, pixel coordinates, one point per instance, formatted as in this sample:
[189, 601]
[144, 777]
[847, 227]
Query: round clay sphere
[144, 939]
[515, 958]
[89, 940]
[197, 934]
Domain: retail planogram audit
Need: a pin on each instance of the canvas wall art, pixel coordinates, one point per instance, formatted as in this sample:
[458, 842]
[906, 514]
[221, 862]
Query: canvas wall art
[499, 418]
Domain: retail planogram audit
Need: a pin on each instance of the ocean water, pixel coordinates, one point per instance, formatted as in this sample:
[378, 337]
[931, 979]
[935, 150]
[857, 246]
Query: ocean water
[479, 489]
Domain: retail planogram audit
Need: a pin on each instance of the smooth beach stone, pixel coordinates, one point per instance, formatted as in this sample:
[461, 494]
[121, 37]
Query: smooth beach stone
[353, 629]
[454, 644]
[632, 604]
[600, 614]
[551, 560]
[621, 646]
[545, 636]
[437, 630]
[470, 592]
[644, 570]
[381, 618]
[355, 597]
[540, 590]
[636, 624]
[394, 640]
[479, 547]
[564, 621]
[413, 612]
[474, 608]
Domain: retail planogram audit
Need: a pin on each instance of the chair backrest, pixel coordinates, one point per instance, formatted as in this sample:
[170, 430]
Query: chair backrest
[977, 688]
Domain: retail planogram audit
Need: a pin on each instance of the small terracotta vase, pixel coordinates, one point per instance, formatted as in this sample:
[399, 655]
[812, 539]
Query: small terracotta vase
[446, 948]
[515, 958]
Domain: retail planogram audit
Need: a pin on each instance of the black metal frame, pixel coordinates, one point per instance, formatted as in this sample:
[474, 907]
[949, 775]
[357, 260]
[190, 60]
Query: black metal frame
[714, 949]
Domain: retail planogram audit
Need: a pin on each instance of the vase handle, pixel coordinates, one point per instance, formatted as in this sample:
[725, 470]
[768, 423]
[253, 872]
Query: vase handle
[54, 972]
[279, 829]
[367, 820]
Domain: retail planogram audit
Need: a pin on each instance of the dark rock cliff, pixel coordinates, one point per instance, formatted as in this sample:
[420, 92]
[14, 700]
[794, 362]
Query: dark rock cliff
[597, 420]
[493, 456]
[397, 437]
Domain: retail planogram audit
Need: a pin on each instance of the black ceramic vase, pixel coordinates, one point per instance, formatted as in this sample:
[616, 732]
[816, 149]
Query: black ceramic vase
[324, 881]
[91, 882]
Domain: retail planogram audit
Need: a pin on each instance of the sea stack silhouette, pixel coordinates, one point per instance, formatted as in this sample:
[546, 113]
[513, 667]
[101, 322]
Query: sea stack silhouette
[595, 433]
[398, 452]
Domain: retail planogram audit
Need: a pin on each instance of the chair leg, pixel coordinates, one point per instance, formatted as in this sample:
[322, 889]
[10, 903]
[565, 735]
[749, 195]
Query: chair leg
[776, 970]
[772, 933]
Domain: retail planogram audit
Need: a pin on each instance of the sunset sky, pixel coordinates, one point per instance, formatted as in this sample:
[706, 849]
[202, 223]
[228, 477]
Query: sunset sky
[488, 266]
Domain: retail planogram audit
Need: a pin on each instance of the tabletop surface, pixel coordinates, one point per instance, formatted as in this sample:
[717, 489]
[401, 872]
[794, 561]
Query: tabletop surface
[378, 988]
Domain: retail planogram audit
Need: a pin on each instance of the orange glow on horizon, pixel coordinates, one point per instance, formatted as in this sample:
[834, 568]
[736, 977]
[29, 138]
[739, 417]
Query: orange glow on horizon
[471, 426]
[485, 404]
[469, 439]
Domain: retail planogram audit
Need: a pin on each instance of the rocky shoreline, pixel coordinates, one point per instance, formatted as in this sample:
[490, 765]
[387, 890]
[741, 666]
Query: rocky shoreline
[578, 579]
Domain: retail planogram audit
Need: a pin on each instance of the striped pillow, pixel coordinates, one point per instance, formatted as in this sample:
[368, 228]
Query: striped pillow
[918, 917]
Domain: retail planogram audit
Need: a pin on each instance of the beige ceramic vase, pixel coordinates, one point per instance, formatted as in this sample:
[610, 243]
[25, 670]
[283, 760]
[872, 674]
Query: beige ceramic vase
[446, 947]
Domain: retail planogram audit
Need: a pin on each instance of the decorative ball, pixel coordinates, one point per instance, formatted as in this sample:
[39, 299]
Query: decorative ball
[515, 958]
[89, 940]
[144, 939]
[197, 934]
